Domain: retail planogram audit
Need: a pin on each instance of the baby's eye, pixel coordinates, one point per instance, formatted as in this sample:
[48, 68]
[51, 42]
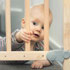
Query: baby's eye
[42, 27]
[34, 23]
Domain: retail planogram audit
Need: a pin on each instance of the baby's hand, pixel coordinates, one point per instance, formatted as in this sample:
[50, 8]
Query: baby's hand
[23, 35]
[40, 64]
[37, 64]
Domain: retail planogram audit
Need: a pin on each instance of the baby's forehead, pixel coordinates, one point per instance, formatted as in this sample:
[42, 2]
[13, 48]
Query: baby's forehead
[37, 9]
[37, 13]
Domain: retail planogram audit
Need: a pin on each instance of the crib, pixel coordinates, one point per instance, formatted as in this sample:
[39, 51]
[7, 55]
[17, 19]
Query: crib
[28, 53]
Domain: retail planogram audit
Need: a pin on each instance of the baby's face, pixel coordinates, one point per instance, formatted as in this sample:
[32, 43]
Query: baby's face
[37, 25]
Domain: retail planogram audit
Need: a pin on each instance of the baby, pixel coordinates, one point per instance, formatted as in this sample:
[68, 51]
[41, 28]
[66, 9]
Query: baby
[36, 34]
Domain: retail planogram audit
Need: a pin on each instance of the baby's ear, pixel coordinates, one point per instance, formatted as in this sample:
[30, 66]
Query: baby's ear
[22, 23]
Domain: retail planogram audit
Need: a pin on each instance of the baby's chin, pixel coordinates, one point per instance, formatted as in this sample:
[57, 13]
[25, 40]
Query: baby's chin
[35, 40]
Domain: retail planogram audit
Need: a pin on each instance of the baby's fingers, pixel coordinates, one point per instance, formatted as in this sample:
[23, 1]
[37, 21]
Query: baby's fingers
[37, 66]
[28, 32]
[41, 66]
[26, 39]
[27, 36]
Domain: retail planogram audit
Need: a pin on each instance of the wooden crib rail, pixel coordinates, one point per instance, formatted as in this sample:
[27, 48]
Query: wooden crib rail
[27, 54]
[66, 32]
[46, 25]
[36, 55]
[8, 25]
[19, 56]
[27, 20]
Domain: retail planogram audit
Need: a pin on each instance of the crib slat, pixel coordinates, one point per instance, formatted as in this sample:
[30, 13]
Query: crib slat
[27, 21]
[8, 26]
[22, 55]
[46, 25]
[66, 32]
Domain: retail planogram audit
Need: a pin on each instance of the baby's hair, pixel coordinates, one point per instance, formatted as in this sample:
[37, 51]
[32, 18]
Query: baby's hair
[32, 10]
[41, 7]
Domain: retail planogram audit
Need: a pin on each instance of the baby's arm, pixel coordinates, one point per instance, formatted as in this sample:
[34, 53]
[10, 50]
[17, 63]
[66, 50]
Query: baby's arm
[15, 44]
[2, 43]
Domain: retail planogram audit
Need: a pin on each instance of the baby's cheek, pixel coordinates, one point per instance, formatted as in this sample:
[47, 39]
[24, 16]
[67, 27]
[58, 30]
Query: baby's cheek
[42, 37]
[42, 34]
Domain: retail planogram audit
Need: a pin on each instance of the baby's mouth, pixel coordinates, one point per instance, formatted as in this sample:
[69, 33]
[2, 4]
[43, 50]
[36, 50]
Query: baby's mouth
[36, 35]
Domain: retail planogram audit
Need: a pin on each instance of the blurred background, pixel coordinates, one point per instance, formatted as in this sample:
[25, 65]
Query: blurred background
[17, 13]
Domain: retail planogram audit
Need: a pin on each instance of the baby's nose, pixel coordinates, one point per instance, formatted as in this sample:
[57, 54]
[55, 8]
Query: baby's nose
[38, 30]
